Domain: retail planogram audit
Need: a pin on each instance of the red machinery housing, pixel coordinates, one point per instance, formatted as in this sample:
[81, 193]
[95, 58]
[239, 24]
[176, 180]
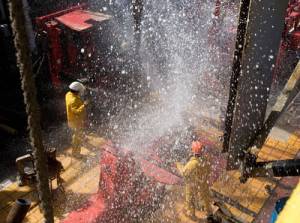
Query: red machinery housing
[129, 188]
[292, 29]
[77, 44]
[290, 43]
[68, 38]
[132, 185]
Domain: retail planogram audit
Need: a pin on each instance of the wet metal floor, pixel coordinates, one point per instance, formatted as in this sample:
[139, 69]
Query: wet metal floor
[245, 201]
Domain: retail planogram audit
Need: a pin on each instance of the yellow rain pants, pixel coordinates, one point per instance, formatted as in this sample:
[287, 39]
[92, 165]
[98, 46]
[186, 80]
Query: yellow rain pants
[196, 173]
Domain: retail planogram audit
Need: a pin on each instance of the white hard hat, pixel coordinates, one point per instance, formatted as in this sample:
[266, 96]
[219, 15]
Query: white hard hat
[77, 86]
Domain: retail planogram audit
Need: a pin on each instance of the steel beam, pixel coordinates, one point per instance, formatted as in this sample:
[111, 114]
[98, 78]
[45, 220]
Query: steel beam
[263, 35]
[236, 70]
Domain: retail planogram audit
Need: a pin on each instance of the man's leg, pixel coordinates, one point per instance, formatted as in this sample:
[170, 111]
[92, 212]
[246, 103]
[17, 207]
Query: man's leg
[189, 200]
[76, 141]
[207, 200]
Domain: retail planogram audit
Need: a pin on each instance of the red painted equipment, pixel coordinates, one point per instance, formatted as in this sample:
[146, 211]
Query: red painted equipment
[68, 42]
[132, 184]
[291, 35]
[129, 188]
[217, 10]
[290, 43]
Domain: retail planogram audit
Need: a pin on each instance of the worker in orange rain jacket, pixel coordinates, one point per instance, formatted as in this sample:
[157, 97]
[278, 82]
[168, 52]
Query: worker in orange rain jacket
[76, 115]
[196, 173]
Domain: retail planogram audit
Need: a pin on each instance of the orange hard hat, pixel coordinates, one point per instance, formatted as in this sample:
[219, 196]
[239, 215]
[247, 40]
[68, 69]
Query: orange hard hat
[197, 147]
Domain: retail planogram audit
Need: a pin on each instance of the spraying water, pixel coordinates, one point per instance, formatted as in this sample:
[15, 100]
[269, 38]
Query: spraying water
[186, 59]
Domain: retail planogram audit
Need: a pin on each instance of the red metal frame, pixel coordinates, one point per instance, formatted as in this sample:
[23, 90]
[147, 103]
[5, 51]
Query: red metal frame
[41, 21]
[47, 24]
[130, 183]
[292, 29]
[290, 42]
[127, 186]
[65, 60]
[55, 52]
[79, 20]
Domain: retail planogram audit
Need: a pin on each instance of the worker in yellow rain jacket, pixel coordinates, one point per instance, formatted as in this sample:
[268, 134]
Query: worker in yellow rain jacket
[196, 173]
[76, 114]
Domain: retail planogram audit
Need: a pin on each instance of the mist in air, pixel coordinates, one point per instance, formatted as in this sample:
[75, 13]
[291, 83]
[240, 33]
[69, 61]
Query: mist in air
[186, 56]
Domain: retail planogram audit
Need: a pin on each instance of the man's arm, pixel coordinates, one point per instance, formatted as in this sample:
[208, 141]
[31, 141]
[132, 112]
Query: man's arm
[180, 167]
[188, 169]
[77, 108]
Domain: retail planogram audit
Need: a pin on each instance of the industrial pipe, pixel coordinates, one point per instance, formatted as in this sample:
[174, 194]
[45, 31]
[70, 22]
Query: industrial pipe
[275, 168]
[18, 211]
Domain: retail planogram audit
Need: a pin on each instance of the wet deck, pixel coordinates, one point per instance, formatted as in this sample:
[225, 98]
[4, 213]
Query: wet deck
[248, 199]
[245, 201]
[78, 187]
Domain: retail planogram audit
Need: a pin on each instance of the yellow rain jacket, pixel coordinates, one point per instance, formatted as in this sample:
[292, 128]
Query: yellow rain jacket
[290, 212]
[75, 111]
[196, 174]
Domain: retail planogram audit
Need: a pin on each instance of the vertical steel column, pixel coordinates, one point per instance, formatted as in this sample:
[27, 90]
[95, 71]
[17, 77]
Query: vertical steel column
[137, 11]
[264, 30]
[236, 70]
